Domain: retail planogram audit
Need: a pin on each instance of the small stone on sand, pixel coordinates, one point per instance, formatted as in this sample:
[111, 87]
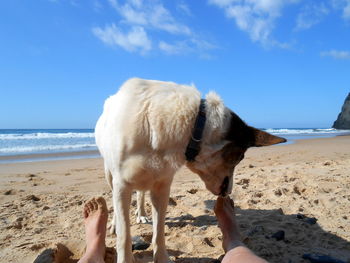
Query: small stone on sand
[33, 198]
[192, 191]
[47, 256]
[8, 192]
[319, 258]
[172, 201]
[138, 243]
[279, 235]
[311, 220]
[300, 216]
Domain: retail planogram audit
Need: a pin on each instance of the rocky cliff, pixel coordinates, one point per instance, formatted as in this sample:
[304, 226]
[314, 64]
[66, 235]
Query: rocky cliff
[343, 120]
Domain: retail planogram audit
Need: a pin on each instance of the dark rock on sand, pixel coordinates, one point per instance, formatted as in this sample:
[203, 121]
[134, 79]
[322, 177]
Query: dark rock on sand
[59, 254]
[311, 220]
[208, 242]
[33, 198]
[300, 216]
[47, 256]
[192, 191]
[279, 235]
[172, 201]
[343, 120]
[319, 258]
[9, 192]
[138, 243]
[327, 163]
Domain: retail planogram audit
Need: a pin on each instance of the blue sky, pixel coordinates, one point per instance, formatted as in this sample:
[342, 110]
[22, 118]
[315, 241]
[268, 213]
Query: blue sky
[276, 63]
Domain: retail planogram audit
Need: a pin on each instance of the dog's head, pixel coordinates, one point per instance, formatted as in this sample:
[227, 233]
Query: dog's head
[216, 161]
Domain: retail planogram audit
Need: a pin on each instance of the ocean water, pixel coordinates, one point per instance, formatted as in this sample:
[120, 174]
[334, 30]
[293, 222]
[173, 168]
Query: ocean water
[25, 141]
[47, 141]
[292, 134]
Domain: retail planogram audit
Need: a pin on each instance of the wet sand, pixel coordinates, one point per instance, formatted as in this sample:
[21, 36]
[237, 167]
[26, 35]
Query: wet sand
[41, 206]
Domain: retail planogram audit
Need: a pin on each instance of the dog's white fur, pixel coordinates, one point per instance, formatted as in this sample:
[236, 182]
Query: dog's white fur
[142, 135]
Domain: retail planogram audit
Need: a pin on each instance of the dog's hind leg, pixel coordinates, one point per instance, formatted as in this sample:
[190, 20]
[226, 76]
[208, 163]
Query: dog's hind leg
[122, 199]
[160, 199]
[140, 212]
[109, 180]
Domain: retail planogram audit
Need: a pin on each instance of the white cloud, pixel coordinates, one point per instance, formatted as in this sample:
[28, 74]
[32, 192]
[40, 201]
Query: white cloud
[256, 17]
[97, 5]
[150, 14]
[173, 49]
[183, 8]
[162, 19]
[311, 15]
[346, 11]
[140, 18]
[344, 6]
[222, 3]
[186, 46]
[336, 54]
[113, 3]
[136, 40]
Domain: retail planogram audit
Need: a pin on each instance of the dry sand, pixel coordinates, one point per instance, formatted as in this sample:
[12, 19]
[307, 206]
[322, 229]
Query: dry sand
[41, 206]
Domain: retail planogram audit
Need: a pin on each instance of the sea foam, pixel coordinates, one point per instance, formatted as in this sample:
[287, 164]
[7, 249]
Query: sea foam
[45, 135]
[14, 142]
[46, 148]
[310, 131]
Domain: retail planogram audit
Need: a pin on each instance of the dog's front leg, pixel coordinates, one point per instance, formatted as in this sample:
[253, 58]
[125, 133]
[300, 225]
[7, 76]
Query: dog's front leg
[160, 199]
[122, 199]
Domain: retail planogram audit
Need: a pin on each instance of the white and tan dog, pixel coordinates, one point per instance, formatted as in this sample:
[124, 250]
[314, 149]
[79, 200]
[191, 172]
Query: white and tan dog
[143, 135]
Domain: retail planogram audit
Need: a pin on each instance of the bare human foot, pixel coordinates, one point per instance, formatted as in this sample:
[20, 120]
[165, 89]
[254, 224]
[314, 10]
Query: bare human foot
[95, 219]
[225, 213]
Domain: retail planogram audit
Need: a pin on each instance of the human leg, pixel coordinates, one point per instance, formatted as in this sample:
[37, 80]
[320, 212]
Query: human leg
[234, 248]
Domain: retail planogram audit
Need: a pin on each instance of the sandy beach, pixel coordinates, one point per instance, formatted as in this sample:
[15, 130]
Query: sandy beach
[41, 206]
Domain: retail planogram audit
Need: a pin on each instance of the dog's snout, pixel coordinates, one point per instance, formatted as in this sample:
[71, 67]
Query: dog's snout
[224, 186]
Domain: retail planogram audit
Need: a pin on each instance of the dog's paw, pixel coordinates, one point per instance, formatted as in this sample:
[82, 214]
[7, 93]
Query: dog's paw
[143, 220]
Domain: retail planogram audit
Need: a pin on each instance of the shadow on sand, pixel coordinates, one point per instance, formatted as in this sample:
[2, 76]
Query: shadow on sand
[300, 236]
[275, 236]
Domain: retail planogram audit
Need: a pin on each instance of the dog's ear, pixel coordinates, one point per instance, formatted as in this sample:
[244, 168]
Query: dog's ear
[261, 138]
[246, 136]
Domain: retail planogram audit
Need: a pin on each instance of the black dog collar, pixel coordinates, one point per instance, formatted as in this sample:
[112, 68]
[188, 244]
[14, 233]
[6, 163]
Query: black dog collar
[194, 146]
